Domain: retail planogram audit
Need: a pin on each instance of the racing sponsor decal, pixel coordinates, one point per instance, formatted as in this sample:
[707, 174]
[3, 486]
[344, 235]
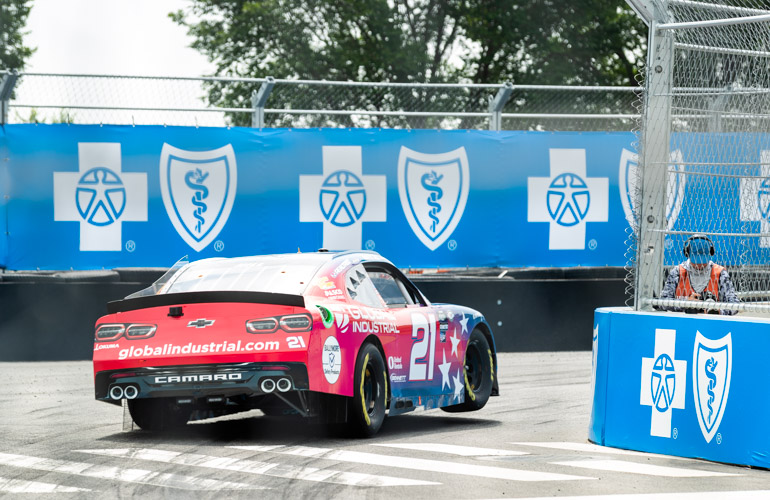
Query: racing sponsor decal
[324, 283]
[339, 269]
[205, 377]
[191, 348]
[394, 363]
[433, 189]
[364, 320]
[100, 196]
[331, 359]
[198, 189]
[99, 347]
[327, 317]
[712, 368]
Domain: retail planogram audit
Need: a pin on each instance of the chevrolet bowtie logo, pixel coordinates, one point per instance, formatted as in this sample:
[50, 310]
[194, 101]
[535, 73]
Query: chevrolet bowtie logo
[200, 323]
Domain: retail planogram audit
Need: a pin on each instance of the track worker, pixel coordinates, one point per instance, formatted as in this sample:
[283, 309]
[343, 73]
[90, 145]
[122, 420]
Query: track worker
[699, 278]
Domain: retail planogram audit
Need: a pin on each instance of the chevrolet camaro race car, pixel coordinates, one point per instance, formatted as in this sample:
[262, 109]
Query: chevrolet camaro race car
[339, 337]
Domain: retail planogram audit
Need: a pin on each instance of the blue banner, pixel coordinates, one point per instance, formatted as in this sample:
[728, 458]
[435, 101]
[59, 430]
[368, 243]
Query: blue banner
[681, 384]
[92, 197]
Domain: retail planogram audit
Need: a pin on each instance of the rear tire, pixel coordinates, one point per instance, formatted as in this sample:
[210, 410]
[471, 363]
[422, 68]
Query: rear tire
[366, 409]
[479, 374]
[158, 415]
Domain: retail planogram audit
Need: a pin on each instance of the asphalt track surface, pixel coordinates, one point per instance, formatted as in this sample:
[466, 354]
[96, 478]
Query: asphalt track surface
[56, 441]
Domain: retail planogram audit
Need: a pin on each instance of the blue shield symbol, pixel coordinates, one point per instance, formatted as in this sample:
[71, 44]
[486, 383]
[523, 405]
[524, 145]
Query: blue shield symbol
[198, 189]
[433, 189]
[712, 366]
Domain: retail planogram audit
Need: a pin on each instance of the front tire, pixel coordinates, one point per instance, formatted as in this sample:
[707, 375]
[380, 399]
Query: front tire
[479, 374]
[158, 415]
[366, 409]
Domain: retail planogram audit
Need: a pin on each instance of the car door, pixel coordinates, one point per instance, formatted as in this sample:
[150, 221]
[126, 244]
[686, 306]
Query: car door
[412, 361]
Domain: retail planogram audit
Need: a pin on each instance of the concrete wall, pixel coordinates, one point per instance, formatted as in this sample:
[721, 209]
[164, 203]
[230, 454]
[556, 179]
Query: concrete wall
[50, 316]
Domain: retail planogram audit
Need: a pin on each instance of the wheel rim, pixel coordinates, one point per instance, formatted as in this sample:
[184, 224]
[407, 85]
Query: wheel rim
[370, 390]
[473, 366]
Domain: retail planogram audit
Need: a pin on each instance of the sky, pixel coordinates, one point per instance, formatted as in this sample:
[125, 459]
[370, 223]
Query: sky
[120, 37]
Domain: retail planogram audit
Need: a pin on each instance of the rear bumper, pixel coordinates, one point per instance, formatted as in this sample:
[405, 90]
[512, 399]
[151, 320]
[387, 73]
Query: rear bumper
[200, 381]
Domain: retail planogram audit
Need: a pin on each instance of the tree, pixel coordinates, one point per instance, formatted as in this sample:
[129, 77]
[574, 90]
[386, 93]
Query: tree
[13, 18]
[591, 42]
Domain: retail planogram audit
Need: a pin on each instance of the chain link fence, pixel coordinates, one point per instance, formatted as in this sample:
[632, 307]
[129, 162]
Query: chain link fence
[268, 102]
[705, 148]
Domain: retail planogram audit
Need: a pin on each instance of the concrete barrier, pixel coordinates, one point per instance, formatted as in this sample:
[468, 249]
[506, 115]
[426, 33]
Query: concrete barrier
[50, 316]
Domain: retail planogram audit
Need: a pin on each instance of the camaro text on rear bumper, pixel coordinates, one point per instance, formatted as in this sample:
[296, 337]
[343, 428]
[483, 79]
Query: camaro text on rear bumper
[213, 377]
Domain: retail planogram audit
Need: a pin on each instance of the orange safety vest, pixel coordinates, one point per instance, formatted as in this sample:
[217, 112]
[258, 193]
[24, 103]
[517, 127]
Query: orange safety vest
[684, 288]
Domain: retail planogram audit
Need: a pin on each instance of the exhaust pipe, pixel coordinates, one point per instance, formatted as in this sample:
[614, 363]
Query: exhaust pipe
[283, 384]
[268, 385]
[131, 391]
[116, 392]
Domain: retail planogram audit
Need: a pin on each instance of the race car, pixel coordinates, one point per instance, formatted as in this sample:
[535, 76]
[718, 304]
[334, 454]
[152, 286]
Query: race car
[339, 337]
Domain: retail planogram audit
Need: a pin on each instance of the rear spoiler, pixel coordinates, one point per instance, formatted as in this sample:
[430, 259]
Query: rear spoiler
[172, 299]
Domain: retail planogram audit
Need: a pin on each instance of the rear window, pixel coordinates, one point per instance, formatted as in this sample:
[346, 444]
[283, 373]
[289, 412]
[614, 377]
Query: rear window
[243, 274]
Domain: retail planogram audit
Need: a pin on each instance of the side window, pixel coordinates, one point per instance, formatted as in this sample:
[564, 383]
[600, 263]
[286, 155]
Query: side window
[389, 288]
[361, 289]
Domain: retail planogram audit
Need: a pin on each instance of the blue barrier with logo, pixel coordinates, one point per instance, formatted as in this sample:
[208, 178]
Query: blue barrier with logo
[91, 197]
[679, 384]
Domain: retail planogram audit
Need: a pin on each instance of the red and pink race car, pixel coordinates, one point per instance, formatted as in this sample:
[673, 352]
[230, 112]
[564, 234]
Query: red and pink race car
[340, 337]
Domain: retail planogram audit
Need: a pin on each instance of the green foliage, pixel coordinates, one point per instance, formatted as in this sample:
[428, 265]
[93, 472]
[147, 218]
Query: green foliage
[13, 17]
[587, 42]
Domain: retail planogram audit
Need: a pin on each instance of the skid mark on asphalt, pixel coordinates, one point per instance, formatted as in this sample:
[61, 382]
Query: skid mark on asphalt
[594, 448]
[121, 474]
[451, 449]
[637, 468]
[414, 463]
[19, 486]
[255, 467]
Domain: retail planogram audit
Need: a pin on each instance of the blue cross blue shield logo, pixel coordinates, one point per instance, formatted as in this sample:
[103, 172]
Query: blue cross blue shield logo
[198, 189]
[712, 367]
[342, 198]
[433, 189]
[100, 196]
[627, 183]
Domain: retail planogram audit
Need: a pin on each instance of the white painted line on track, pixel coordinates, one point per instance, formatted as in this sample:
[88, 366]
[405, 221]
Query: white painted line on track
[19, 486]
[261, 468]
[638, 468]
[121, 474]
[710, 495]
[415, 463]
[595, 448]
[451, 449]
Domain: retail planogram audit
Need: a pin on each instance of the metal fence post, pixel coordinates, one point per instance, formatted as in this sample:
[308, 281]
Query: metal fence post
[258, 100]
[654, 160]
[496, 106]
[6, 89]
